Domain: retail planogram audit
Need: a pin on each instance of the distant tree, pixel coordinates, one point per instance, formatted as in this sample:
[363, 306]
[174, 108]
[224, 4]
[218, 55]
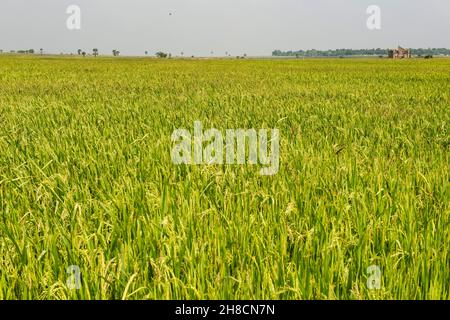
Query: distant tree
[161, 54]
[80, 52]
[95, 52]
[116, 53]
[83, 54]
[146, 53]
[31, 51]
[41, 51]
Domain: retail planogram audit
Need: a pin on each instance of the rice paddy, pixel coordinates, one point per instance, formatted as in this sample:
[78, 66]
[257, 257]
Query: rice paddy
[87, 182]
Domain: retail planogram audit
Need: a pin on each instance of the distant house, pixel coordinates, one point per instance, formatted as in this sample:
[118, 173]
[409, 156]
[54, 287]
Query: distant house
[399, 53]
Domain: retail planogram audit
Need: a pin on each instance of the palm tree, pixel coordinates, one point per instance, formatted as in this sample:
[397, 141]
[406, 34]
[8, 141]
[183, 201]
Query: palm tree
[41, 51]
[80, 52]
[95, 52]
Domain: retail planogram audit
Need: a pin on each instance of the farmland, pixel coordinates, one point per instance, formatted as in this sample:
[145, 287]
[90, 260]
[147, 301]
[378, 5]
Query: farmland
[87, 180]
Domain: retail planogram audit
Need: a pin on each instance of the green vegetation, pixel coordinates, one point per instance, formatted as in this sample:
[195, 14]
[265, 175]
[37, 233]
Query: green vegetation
[356, 52]
[86, 179]
[161, 54]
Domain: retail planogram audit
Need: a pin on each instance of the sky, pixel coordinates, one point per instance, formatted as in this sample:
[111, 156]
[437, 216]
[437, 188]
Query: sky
[214, 27]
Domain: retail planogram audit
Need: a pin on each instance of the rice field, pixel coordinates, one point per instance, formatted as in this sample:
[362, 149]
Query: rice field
[89, 194]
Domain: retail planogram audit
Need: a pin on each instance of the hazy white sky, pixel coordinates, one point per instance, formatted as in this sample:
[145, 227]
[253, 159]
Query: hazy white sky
[255, 27]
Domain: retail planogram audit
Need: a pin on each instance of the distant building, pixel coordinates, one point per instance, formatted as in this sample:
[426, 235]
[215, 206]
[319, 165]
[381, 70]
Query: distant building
[400, 53]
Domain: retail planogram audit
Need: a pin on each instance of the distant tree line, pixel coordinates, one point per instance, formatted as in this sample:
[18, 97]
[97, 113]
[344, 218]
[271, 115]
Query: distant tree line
[80, 52]
[355, 52]
[30, 51]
